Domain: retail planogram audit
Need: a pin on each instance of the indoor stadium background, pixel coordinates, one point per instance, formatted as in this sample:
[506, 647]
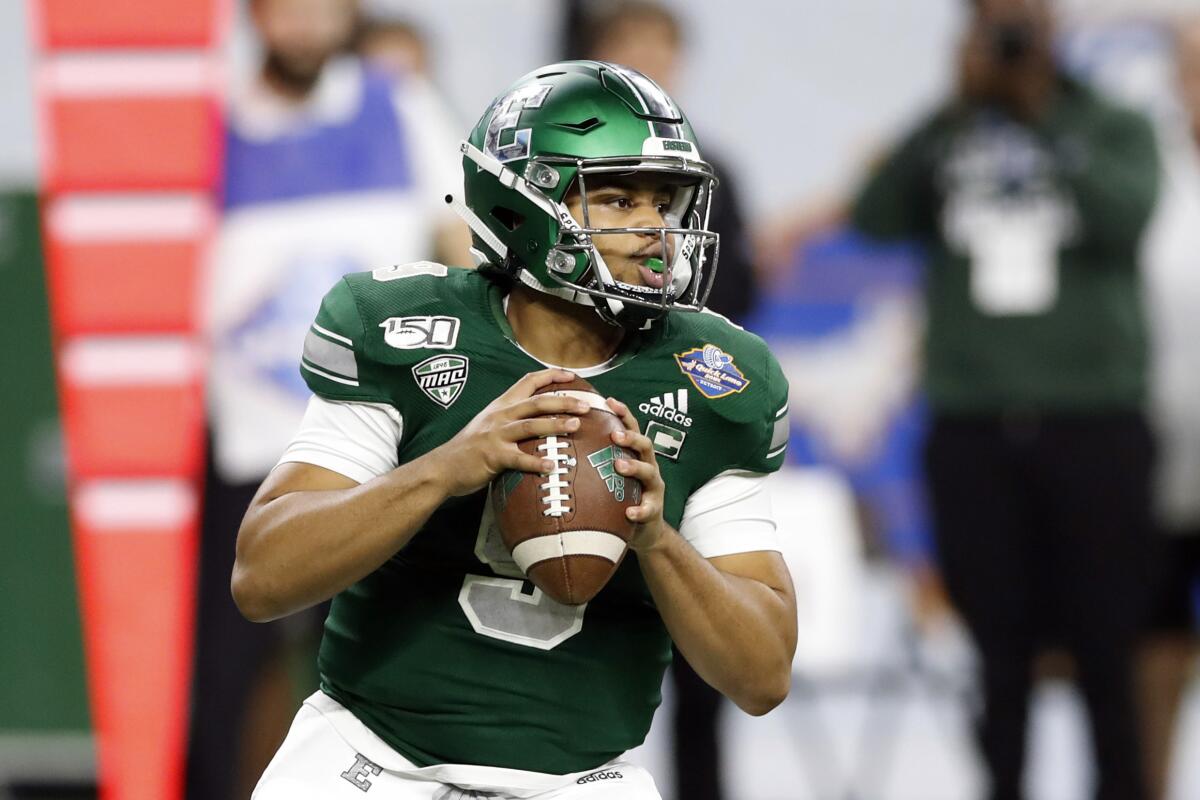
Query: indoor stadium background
[110, 175]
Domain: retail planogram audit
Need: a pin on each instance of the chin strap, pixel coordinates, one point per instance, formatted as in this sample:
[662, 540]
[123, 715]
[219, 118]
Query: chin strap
[477, 226]
[566, 293]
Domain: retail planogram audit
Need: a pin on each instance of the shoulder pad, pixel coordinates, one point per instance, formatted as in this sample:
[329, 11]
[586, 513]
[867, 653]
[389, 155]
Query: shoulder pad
[332, 364]
[742, 383]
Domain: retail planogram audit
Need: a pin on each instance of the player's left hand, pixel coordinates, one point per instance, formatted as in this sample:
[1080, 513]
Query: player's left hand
[649, 514]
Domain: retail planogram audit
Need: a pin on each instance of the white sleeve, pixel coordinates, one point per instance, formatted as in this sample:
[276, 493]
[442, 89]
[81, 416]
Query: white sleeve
[358, 440]
[730, 514]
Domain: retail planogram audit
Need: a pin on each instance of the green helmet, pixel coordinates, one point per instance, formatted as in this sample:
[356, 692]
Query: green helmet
[558, 128]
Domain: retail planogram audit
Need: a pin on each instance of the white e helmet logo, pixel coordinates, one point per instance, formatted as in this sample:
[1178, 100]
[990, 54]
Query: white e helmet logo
[505, 115]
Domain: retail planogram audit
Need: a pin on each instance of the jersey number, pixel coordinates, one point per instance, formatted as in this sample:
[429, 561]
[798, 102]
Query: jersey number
[412, 270]
[500, 608]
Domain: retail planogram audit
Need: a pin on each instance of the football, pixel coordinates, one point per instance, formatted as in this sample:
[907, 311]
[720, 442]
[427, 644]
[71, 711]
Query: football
[567, 530]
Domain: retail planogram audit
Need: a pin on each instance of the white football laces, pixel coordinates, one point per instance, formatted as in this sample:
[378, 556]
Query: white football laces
[553, 495]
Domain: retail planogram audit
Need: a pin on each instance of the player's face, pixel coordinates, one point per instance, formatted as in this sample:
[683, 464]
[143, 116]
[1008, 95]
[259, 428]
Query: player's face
[629, 202]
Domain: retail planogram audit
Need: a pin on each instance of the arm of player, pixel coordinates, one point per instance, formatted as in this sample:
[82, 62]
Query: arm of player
[310, 532]
[733, 617]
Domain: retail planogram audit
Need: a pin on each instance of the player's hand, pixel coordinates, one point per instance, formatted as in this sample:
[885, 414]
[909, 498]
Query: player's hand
[488, 445]
[651, 528]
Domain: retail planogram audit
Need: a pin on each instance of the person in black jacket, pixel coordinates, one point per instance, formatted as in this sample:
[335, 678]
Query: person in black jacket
[1030, 194]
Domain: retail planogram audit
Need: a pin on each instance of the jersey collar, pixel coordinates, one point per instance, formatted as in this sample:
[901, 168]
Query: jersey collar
[634, 343]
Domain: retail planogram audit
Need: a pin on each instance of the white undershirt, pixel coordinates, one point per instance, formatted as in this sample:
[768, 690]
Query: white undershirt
[729, 514]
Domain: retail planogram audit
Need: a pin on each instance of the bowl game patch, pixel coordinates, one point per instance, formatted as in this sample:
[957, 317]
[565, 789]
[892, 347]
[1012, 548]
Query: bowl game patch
[712, 371]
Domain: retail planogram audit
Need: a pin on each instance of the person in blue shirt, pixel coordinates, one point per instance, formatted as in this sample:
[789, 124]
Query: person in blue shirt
[330, 167]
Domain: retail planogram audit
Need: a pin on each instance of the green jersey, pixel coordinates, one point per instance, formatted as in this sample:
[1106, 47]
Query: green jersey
[445, 652]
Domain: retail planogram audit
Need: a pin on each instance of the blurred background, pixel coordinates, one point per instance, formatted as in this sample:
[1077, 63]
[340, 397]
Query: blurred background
[969, 229]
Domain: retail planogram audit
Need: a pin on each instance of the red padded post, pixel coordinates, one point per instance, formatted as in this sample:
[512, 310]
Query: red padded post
[126, 265]
[134, 551]
[128, 98]
[129, 122]
[132, 408]
[88, 24]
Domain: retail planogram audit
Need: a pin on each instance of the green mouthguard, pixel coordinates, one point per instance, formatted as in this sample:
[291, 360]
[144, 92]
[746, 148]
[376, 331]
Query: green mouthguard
[654, 265]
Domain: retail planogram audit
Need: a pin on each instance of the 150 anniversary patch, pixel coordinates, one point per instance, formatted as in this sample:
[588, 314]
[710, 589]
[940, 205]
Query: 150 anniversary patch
[712, 371]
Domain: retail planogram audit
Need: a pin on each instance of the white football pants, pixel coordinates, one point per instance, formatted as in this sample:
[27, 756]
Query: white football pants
[329, 755]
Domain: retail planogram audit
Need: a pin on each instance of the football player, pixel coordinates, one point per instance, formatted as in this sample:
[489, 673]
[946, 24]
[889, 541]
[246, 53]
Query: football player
[445, 674]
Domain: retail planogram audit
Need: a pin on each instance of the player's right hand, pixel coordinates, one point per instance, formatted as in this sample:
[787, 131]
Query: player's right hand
[488, 445]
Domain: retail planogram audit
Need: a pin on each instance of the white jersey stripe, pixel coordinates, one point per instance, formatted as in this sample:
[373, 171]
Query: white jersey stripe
[331, 334]
[324, 374]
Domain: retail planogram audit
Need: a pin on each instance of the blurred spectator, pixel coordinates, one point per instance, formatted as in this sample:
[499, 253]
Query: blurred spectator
[1030, 195]
[394, 46]
[330, 168]
[1173, 278]
[399, 50]
[649, 38]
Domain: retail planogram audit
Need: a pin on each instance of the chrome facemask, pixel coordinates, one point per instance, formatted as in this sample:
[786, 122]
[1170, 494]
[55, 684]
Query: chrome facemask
[693, 249]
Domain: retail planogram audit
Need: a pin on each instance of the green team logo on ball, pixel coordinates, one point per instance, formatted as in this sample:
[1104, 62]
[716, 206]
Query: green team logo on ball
[603, 460]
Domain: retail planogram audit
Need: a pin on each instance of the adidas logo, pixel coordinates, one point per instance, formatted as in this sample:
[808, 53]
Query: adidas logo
[603, 775]
[672, 406]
